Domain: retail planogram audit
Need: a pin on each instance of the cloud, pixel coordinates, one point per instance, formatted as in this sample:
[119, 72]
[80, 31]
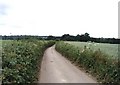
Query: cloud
[3, 8]
[2, 24]
[57, 17]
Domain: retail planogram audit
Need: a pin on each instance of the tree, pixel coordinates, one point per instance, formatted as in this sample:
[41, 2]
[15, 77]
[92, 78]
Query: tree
[50, 37]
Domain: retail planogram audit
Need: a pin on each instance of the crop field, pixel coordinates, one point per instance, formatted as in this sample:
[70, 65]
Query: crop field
[20, 60]
[109, 49]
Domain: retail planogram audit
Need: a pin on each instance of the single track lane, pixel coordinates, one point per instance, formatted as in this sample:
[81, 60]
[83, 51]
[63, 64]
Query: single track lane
[57, 69]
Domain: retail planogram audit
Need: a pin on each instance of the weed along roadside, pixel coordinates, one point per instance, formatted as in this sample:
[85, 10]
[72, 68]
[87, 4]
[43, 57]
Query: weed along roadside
[20, 60]
[95, 62]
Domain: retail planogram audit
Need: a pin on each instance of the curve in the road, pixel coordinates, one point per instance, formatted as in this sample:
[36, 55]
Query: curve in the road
[57, 69]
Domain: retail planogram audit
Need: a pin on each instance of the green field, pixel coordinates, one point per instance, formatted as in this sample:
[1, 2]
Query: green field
[109, 49]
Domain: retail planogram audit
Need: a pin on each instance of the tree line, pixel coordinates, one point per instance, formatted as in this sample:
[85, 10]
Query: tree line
[66, 37]
[85, 38]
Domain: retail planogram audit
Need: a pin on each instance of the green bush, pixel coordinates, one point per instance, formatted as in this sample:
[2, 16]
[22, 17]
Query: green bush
[21, 59]
[95, 62]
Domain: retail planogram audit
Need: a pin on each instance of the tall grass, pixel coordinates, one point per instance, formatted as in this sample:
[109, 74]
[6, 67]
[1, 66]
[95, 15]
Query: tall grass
[95, 62]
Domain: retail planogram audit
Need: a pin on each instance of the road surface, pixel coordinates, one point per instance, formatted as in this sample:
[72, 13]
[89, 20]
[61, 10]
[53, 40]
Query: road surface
[57, 69]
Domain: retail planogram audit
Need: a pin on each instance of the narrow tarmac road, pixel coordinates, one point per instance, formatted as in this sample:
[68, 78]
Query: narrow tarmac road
[57, 69]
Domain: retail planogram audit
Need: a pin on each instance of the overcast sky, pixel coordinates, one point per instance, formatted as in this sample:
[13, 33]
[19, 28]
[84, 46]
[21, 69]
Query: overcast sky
[57, 17]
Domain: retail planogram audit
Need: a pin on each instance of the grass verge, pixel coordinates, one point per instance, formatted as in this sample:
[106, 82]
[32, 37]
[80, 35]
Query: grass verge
[95, 62]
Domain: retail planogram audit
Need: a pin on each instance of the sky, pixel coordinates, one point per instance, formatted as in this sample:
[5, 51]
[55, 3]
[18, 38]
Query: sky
[99, 18]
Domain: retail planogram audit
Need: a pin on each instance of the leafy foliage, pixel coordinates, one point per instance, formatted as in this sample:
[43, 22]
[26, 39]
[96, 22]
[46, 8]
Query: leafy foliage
[21, 59]
[95, 62]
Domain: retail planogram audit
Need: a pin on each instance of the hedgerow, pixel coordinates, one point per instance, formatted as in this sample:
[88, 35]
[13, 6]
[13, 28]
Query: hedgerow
[21, 59]
[95, 62]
